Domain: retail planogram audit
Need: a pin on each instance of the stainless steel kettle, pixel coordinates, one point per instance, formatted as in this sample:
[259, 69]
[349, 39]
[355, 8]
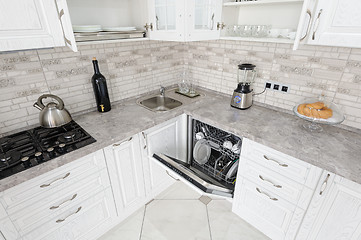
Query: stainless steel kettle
[53, 114]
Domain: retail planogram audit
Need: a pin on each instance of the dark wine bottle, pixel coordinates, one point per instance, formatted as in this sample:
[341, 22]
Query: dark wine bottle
[100, 89]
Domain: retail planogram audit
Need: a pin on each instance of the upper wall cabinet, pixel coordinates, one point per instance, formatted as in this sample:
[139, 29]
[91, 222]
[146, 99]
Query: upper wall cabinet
[26, 24]
[184, 20]
[336, 23]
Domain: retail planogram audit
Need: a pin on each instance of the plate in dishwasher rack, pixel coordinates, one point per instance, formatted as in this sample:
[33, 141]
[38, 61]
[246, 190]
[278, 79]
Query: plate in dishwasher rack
[201, 151]
[233, 170]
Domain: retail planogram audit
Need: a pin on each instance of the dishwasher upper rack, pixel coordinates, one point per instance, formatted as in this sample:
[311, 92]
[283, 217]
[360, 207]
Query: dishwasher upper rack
[215, 138]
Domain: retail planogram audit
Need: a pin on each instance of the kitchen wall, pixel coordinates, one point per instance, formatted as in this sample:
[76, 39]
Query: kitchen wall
[309, 71]
[134, 68]
[131, 68]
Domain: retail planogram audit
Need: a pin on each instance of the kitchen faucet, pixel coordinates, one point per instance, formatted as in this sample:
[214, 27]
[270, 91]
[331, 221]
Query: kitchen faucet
[162, 91]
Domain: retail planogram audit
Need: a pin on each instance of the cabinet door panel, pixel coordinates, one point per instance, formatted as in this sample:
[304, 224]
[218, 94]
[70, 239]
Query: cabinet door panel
[7, 230]
[202, 18]
[29, 24]
[169, 138]
[167, 19]
[334, 214]
[338, 24]
[126, 174]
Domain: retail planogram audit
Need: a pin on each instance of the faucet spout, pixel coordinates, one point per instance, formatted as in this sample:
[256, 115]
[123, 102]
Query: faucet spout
[162, 91]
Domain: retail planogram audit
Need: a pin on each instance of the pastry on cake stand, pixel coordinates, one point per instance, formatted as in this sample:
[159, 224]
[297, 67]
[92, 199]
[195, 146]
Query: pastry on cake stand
[318, 111]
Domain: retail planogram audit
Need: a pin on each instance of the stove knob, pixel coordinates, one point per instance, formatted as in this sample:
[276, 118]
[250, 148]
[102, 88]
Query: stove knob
[62, 147]
[26, 162]
[51, 152]
[39, 156]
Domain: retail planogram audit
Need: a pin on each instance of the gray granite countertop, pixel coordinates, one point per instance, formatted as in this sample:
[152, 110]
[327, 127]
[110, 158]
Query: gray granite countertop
[335, 149]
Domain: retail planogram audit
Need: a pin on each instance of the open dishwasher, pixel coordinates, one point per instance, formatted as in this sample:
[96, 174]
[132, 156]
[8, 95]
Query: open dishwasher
[213, 158]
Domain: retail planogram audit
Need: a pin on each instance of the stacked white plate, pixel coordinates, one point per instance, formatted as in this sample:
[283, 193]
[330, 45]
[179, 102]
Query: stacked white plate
[118, 29]
[87, 28]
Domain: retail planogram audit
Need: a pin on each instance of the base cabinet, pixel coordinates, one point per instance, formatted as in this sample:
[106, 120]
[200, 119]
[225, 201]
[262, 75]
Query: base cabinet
[334, 212]
[125, 167]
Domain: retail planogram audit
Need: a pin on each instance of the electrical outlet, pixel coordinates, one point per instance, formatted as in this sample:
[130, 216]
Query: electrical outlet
[278, 87]
[285, 89]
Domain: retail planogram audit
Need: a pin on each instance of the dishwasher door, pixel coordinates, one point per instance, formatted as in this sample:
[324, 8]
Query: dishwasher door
[194, 176]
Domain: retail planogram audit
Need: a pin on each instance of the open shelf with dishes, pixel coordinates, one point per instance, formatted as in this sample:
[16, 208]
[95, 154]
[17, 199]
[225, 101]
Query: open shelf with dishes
[262, 21]
[108, 20]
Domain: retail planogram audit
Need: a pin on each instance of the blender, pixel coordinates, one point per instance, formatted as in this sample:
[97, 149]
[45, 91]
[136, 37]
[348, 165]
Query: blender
[242, 95]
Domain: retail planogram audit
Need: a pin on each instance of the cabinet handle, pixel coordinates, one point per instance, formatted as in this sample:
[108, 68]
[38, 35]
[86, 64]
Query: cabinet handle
[60, 15]
[68, 200]
[308, 25]
[266, 180]
[324, 184]
[171, 176]
[220, 25]
[118, 144]
[157, 22]
[317, 23]
[212, 21]
[266, 194]
[145, 140]
[147, 27]
[62, 220]
[270, 159]
[58, 179]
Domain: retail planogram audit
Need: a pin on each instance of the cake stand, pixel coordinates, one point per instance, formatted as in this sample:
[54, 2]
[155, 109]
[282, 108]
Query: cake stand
[314, 124]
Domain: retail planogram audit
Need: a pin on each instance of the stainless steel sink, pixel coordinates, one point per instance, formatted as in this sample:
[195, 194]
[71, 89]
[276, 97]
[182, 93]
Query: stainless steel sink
[160, 103]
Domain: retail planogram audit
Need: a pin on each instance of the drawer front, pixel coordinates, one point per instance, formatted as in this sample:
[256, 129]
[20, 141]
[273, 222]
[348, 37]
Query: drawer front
[86, 220]
[273, 182]
[266, 211]
[30, 218]
[278, 162]
[40, 187]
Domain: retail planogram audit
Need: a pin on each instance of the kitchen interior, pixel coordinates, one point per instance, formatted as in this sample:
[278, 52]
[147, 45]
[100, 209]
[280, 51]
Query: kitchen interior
[165, 119]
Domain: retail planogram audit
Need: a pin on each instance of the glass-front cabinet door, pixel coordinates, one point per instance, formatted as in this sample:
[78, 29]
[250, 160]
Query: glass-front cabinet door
[203, 19]
[166, 20]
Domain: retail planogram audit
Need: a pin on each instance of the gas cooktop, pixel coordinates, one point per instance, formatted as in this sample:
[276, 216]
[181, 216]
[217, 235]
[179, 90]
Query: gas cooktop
[27, 149]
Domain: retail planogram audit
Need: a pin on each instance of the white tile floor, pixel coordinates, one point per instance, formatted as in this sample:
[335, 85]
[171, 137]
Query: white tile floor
[178, 214]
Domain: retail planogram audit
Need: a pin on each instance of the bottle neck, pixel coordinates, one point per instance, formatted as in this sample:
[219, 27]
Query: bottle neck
[96, 67]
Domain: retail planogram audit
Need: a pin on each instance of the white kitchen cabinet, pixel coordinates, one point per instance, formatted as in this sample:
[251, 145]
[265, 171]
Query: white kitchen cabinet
[273, 190]
[334, 212]
[74, 201]
[169, 138]
[35, 24]
[184, 20]
[124, 161]
[336, 23]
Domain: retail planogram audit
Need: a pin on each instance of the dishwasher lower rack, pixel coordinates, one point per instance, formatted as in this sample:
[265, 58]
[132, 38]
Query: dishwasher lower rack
[221, 159]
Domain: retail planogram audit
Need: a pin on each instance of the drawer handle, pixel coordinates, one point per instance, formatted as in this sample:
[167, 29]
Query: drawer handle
[62, 220]
[272, 198]
[324, 184]
[270, 159]
[118, 144]
[49, 184]
[266, 180]
[171, 176]
[68, 200]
